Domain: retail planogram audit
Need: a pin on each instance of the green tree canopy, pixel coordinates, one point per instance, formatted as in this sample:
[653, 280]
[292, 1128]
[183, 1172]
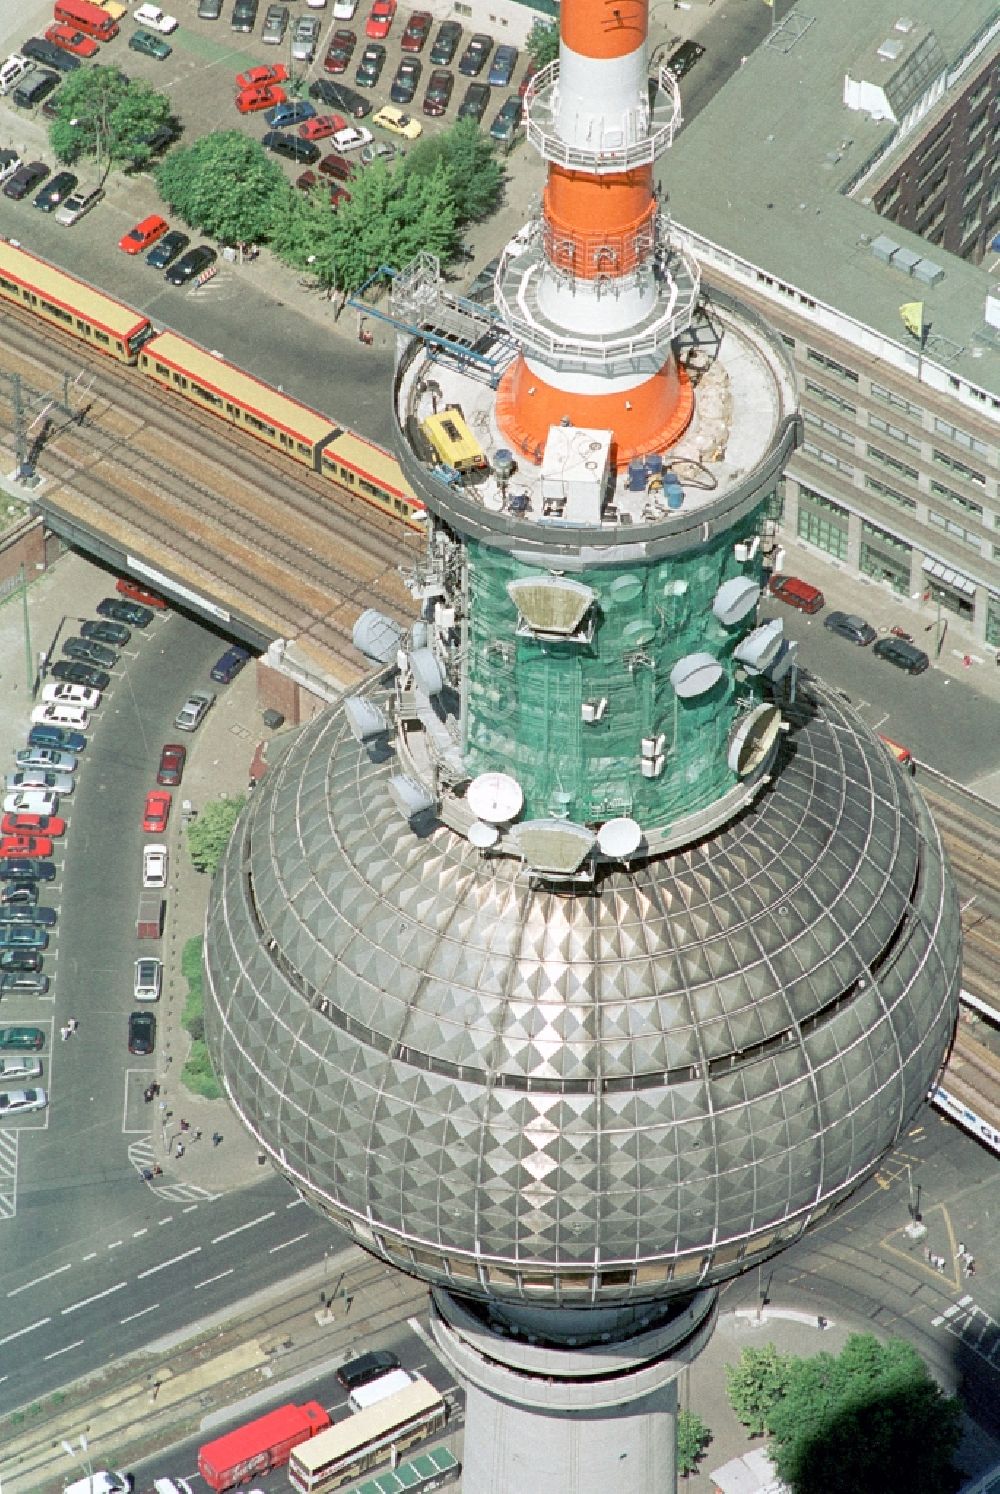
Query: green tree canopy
[756, 1384]
[870, 1419]
[543, 43]
[104, 115]
[226, 185]
[474, 173]
[693, 1436]
[209, 834]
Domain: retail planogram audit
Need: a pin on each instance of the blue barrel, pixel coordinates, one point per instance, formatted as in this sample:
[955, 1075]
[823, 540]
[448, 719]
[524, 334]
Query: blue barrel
[637, 476]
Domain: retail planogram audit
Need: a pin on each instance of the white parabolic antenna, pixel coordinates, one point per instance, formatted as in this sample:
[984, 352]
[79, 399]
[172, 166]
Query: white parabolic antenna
[483, 835]
[619, 838]
[495, 798]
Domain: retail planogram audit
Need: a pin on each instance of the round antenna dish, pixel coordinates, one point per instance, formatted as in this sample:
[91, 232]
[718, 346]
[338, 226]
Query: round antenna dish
[377, 636]
[734, 599]
[694, 675]
[753, 739]
[761, 647]
[483, 835]
[619, 838]
[495, 797]
[364, 719]
[427, 673]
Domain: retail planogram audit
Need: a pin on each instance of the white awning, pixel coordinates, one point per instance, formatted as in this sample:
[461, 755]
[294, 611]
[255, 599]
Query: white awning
[948, 577]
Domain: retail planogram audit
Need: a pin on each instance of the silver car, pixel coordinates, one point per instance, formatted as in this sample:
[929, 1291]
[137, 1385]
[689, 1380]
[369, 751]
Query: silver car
[275, 24]
[79, 202]
[13, 1101]
[194, 710]
[20, 1066]
[304, 38]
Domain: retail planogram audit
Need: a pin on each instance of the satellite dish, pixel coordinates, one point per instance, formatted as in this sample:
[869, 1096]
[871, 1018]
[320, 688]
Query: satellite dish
[377, 636]
[753, 739]
[761, 647]
[364, 718]
[483, 835]
[409, 796]
[427, 672]
[694, 674]
[734, 599]
[495, 797]
[619, 838]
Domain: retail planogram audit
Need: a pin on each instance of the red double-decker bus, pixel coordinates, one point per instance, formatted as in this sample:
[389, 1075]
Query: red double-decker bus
[90, 19]
[261, 1445]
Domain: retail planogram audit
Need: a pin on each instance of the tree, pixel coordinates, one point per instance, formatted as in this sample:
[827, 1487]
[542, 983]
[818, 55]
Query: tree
[209, 834]
[871, 1418]
[693, 1436]
[101, 113]
[475, 175]
[756, 1384]
[226, 185]
[543, 43]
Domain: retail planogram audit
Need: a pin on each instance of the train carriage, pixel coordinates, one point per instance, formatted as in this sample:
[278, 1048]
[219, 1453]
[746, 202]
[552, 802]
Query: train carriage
[72, 305]
[373, 474]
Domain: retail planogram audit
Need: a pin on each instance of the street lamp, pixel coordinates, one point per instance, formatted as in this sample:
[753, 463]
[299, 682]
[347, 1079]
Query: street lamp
[81, 1462]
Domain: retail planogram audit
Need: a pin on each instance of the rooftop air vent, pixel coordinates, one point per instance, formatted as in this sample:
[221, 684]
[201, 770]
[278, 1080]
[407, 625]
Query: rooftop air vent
[890, 50]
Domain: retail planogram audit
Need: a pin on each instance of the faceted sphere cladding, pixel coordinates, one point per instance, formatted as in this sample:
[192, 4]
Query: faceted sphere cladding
[598, 1096]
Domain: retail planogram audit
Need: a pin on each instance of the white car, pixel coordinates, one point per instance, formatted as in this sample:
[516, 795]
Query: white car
[13, 1101]
[154, 866]
[20, 1066]
[71, 695]
[31, 801]
[148, 979]
[350, 138]
[153, 17]
[61, 714]
[39, 778]
[343, 10]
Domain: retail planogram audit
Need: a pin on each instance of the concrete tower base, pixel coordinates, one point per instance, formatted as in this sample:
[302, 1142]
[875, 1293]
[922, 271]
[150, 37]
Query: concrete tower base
[564, 1402]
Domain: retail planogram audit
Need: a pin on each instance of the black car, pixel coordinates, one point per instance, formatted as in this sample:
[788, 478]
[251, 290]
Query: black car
[47, 52]
[445, 43]
[475, 103]
[905, 656]
[190, 265]
[30, 917]
[25, 180]
[367, 1367]
[19, 890]
[439, 91]
[166, 251]
[74, 673]
[404, 84]
[21, 959]
[157, 140]
[55, 191]
[369, 69]
[684, 59]
[141, 1032]
[23, 983]
[473, 59]
[338, 96]
[848, 625]
[115, 633]
[90, 653]
[26, 868]
[507, 122]
[291, 147]
[133, 613]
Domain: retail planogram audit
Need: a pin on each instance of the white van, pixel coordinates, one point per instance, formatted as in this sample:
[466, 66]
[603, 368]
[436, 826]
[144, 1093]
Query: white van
[12, 71]
[379, 1390]
[101, 1482]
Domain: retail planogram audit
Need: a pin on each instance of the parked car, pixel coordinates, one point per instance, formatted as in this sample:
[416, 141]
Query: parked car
[406, 79]
[351, 137]
[79, 202]
[49, 55]
[59, 737]
[683, 60]
[154, 866]
[473, 59]
[22, 983]
[46, 758]
[397, 123]
[340, 51]
[244, 16]
[343, 10]
[796, 593]
[116, 608]
[144, 235]
[446, 41]
[905, 656]
[25, 180]
[172, 759]
[9, 163]
[153, 17]
[156, 812]
[440, 87]
[114, 633]
[30, 801]
[304, 38]
[292, 112]
[21, 1068]
[369, 69]
[291, 147]
[475, 102]
[141, 1032]
[339, 96]
[379, 150]
[418, 29]
[56, 782]
[150, 45]
[51, 825]
[24, 847]
[89, 652]
[17, 939]
[502, 67]
[16, 867]
[275, 25]
[71, 672]
[27, 916]
[322, 126]
[192, 264]
[18, 1101]
[209, 10]
[148, 980]
[380, 19]
[159, 257]
[55, 191]
[194, 710]
[59, 692]
[507, 122]
[135, 591]
[21, 1039]
[256, 77]
[848, 625]
[354, 1373]
[19, 890]
[261, 96]
[60, 714]
[20, 959]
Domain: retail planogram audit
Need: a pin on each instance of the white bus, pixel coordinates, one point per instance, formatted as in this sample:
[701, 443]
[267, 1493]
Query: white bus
[344, 1452]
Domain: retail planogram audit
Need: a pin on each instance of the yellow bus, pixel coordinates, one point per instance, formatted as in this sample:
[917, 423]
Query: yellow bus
[344, 1452]
[452, 441]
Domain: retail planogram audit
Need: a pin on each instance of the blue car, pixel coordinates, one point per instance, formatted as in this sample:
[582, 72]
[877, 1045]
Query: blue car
[502, 67]
[28, 868]
[59, 737]
[296, 111]
[229, 666]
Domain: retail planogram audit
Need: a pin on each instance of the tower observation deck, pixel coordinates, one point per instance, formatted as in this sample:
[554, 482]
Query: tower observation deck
[592, 950]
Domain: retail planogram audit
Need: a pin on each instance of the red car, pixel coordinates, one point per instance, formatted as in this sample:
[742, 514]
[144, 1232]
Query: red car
[25, 845]
[340, 50]
[126, 587]
[526, 81]
[257, 75]
[418, 29]
[32, 824]
[321, 126]
[379, 22]
[261, 96]
[157, 812]
[144, 235]
[172, 759]
[71, 40]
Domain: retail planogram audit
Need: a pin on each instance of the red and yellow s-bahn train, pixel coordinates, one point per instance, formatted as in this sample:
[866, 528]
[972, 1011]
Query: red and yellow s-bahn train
[207, 380]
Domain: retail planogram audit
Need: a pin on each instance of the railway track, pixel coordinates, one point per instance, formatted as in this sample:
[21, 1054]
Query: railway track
[259, 535]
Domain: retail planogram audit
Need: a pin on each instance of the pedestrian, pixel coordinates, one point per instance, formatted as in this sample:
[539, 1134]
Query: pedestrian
[72, 1024]
[64, 1032]
[216, 1138]
[180, 1150]
[970, 1265]
[185, 1126]
[197, 1134]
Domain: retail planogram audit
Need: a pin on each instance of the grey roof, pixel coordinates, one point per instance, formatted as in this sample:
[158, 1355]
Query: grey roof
[699, 1054]
[763, 171]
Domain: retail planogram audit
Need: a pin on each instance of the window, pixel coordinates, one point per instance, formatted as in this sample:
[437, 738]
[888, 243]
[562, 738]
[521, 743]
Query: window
[956, 531]
[893, 462]
[833, 366]
[831, 397]
[884, 491]
[837, 431]
[823, 523]
[895, 431]
[890, 397]
[940, 491]
[960, 437]
[954, 465]
[828, 458]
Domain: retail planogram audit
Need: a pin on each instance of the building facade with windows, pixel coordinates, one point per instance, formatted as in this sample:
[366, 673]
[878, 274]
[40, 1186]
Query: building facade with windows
[849, 170]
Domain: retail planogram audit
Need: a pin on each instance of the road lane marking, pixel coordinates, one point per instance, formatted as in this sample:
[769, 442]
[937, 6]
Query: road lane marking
[141, 1314]
[210, 1279]
[261, 1219]
[22, 1331]
[174, 1261]
[37, 1280]
[86, 1301]
[285, 1243]
[64, 1350]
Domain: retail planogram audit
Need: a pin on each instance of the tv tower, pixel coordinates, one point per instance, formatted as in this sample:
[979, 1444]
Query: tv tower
[590, 951]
